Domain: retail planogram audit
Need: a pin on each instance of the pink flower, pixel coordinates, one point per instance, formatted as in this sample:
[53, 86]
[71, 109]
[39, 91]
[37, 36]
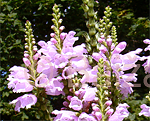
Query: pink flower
[19, 80]
[27, 100]
[145, 110]
[54, 87]
[65, 115]
[19, 73]
[120, 47]
[120, 113]
[42, 81]
[89, 75]
[147, 65]
[76, 103]
[103, 49]
[63, 35]
[86, 117]
[109, 41]
[47, 49]
[89, 95]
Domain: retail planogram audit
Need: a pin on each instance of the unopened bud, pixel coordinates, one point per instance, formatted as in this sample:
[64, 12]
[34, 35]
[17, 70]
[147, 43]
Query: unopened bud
[52, 34]
[109, 112]
[61, 28]
[26, 62]
[53, 41]
[33, 42]
[32, 35]
[60, 21]
[26, 55]
[26, 46]
[35, 48]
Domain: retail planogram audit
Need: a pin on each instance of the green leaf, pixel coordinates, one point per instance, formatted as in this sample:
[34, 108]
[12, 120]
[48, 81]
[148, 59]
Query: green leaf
[37, 115]
[9, 8]
[17, 22]
[24, 116]
[40, 6]
[2, 21]
[12, 15]
[2, 14]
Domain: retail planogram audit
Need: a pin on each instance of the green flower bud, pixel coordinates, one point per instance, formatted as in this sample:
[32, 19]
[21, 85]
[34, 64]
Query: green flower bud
[92, 31]
[91, 22]
[88, 47]
[26, 39]
[85, 8]
[54, 15]
[91, 3]
[94, 42]
[32, 35]
[26, 47]
[91, 12]
[105, 87]
[90, 59]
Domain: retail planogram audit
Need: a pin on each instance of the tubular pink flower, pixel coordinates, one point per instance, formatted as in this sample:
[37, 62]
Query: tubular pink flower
[65, 115]
[109, 41]
[63, 35]
[54, 87]
[108, 103]
[103, 49]
[76, 103]
[86, 117]
[120, 113]
[27, 100]
[145, 110]
[101, 40]
[19, 80]
[120, 47]
[147, 41]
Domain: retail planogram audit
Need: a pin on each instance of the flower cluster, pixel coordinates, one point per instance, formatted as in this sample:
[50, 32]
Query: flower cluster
[92, 91]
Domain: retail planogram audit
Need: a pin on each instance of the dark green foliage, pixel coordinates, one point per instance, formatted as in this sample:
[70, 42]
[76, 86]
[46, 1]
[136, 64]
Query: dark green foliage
[130, 18]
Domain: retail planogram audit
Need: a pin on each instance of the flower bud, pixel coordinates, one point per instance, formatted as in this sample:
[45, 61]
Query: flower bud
[85, 8]
[91, 12]
[63, 35]
[33, 39]
[91, 3]
[95, 108]
[61, 28]
[69, 98]
[108, 103]
[36, 56]
[109, 42]
[98, 115]
[103, 49]
[92, 31]
[52, 27]
[53, 41]
[33, 42]
[26, 47]
[26, 62]
[52, 34]
[109, 112]
[26, 39]
[60, 21]
[65, 103]
[35, 48]
[32, 35]
[85, 1]
[26, 55]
